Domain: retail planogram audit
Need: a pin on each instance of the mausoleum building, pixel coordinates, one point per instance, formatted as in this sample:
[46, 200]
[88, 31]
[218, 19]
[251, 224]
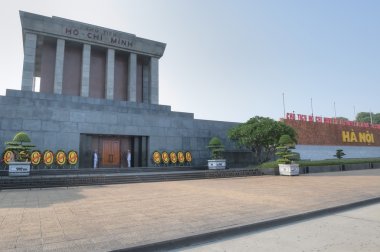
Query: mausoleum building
[99, 90]
[78, 59]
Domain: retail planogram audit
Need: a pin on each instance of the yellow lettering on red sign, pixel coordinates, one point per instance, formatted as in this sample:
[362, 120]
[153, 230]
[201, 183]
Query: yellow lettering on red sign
[352, 137]
[345, 136]
[362, 138]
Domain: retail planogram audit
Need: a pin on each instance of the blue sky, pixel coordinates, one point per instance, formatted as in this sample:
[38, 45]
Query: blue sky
[232, 60]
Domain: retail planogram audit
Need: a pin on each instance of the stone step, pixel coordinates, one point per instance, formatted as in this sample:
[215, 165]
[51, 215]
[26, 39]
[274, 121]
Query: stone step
[44, 181]
[39, 172]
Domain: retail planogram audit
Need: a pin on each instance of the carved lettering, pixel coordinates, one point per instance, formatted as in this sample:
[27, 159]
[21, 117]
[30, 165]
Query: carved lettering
[69, 31]
[123, 42]
[99, 35]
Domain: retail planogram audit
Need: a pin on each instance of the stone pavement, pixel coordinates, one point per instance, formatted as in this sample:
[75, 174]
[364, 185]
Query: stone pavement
[354, 230]
[103, 218]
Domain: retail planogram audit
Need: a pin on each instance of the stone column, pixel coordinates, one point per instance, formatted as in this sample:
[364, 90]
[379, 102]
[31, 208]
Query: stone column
[58, 73]
[30, 46]
[132, 80]
[144, 151]
[110, 74]
[136, 151]
[146, 83]
[153, 80]
[85, 82]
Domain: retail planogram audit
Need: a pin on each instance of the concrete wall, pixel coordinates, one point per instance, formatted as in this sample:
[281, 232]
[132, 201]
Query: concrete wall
[318, 152]
[317, 169]
[56, 122]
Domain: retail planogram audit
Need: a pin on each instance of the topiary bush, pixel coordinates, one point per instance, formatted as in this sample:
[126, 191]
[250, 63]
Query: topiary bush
[284, 150]
[296, 156]
[339, 154]
[20, 146]
[216, 147]
[21, 137]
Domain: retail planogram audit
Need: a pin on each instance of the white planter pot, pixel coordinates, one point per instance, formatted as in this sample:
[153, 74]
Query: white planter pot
[289, 169]
[19, 168]
[216, 164]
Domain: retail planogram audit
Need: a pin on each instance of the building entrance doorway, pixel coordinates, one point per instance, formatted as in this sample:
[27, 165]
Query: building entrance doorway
[113, 150]
[111, 153]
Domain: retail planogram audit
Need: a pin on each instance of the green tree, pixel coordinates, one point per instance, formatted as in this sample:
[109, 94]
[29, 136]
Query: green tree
[366, 117]
[261, 134]
[342, 118]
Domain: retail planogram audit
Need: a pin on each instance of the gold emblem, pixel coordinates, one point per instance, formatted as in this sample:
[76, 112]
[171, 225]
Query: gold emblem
[35, 158]
[60, 158]
[173, 157]
[72, 157]
[165, 157]
[156, 157]
[188, 157]
[181, 157]
[48, 157]
[8, 156]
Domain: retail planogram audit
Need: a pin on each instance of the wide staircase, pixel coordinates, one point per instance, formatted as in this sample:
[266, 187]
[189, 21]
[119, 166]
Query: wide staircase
[104, 176]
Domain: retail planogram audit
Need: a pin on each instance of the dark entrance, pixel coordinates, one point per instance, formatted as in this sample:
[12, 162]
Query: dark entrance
[112, 150]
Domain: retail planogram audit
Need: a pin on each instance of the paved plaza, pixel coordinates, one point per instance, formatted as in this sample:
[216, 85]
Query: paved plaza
[353, 230]
[103, 218]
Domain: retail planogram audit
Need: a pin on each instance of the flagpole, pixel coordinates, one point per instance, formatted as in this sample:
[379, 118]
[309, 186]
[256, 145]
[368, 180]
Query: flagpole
[283, 102]
[311, 102]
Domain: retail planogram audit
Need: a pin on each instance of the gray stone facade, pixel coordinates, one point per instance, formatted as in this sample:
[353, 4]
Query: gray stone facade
[56, 122]
[85, 120]
[85, 81]
[30, 44]
[89, 34]
[132, 77]
[36, 29]
[58, 78]
[110, 68]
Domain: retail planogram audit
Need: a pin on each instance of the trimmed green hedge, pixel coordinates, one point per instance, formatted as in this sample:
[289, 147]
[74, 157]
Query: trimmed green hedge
[271, 164]
[304, 163]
